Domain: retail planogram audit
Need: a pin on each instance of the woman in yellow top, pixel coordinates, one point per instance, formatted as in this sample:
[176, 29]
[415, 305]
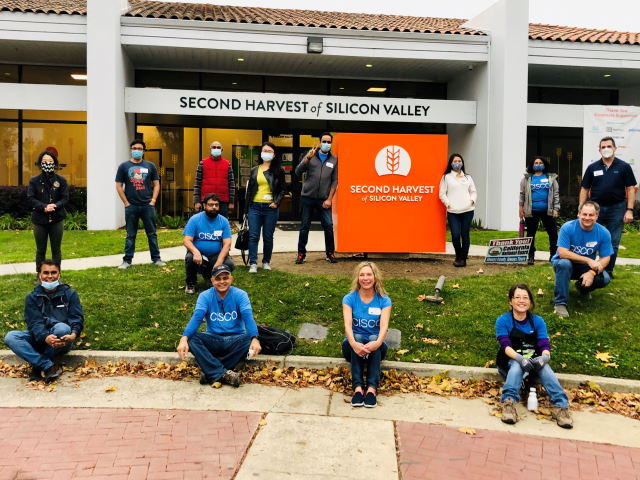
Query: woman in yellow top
[264, 193]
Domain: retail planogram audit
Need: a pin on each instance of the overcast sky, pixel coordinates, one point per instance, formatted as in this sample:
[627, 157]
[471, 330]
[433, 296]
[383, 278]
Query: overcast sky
[622, 15]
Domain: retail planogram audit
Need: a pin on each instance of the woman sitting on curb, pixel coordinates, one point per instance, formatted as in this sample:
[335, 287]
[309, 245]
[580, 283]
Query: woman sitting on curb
[525, 348]
[366, 311]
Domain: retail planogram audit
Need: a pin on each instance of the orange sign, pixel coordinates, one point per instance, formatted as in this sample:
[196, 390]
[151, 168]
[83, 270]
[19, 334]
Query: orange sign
[388, 193]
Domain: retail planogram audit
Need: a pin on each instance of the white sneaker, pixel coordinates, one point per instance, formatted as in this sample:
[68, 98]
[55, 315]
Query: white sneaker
[253, 268]
[124, 265]
[561, 310]
[266, 266]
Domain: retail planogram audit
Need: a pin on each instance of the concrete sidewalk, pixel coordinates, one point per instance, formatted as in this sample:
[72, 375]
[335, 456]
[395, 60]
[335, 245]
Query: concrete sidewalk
[284, 241]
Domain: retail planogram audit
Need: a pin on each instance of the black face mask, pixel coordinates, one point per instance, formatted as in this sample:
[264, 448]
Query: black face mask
[211, 214]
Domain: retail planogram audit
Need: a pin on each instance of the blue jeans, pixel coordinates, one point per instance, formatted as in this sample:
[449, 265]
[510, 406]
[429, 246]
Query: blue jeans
[612, 218]
[567, 270]
[132, 214]
[308, 205]
[261, 218]
[460, 224]
[38, 354]
[372, 362]
[513, 383]
[216, 354]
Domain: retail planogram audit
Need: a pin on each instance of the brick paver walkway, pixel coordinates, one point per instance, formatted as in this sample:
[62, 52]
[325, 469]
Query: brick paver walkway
[122, 444]
[439, 452]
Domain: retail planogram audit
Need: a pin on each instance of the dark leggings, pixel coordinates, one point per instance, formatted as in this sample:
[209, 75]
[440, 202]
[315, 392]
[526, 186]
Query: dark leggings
[52, 231]
[549, 223]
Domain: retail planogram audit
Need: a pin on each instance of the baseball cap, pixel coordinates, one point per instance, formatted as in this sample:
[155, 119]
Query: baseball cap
[220, 269]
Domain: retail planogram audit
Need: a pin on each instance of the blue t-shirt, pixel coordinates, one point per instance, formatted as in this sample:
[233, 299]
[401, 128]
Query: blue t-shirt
[207, 233]
[539, 192]
[224, 316]
[583, 242]
[504, 324]
[366, 316]
[323, 156]
[138, 181]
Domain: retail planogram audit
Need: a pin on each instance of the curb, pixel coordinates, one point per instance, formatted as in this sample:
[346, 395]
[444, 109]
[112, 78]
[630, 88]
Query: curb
[78, 357]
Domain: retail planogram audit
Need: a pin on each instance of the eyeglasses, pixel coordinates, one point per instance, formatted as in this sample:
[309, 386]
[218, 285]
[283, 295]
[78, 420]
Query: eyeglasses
[212, 204]
[137, 148]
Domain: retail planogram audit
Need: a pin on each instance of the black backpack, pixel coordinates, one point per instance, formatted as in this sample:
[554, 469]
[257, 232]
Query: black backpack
[275, 341]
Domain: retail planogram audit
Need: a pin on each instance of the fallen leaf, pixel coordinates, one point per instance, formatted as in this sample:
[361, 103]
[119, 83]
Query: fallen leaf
[419, 326]
[263, 422]
[455, 285]
[216, 385]
[540, 292]
[306, 284]
[430, 341]
[604, 356]
[488, 364]
[611, 364]
[156, 325]
[467, 430]
[480, 270]
[402, 352]
[421, 298]
[416, 360]
[111, 389]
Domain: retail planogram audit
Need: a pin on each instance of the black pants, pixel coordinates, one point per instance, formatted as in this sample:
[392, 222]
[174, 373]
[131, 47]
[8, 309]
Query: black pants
[53, 232]
[192, 268]
[549, 223]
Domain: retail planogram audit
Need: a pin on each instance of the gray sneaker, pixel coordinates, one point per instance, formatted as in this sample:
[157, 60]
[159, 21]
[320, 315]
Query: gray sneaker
[231, 378]
[159, 263]
[266, 266]
[561, 310]
[509, 414]
[124, 265]
[562, 417]
[253, 268]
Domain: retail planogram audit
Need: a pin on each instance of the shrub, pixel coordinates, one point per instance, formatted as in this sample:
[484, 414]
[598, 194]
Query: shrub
[13, 200]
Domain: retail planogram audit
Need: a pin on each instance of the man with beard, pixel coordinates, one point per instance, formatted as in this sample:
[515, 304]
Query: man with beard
[207, 237]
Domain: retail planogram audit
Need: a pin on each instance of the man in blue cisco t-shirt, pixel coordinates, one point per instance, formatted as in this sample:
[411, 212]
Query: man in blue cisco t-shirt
[207, 237]
[578, 243]
[231, 334]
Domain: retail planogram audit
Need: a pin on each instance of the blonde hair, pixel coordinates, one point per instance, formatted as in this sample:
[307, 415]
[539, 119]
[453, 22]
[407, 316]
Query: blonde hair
[378, 284]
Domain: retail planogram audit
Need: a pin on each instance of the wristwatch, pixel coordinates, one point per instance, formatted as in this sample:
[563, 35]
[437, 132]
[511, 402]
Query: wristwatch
[630, 209]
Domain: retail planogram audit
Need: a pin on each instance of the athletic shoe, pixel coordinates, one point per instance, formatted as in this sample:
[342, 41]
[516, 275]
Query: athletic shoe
[561, 310]
[35, 375]
[509, 414]
[562, 417]
[531, 261]
[190, 289]
[231, 378]
[266, 266]
[203, 379]
[124, 265]
[299, 259]
[52, 373]
[370, 400]
[357, 400]
[253, 268]
[459, 262]
[331, 258]
[159, 263]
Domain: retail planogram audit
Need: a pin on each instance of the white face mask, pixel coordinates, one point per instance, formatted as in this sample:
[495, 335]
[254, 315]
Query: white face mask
[607, 152]
[266, 156]
[216, 152]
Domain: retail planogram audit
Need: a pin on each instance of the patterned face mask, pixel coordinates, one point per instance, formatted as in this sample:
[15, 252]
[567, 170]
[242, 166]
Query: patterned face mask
[47, 167]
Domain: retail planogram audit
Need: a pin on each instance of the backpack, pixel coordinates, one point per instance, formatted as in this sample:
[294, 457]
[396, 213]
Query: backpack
[275, 341]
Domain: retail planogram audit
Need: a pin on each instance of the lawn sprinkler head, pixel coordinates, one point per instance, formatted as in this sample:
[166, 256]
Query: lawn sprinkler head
[439, 285]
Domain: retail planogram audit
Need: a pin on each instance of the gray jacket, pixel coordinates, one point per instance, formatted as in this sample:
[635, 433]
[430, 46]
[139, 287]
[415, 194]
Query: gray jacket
[320, 177]
[553, 201]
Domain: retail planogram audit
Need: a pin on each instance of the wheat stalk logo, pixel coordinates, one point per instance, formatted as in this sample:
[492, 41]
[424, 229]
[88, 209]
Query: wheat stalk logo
[393, 159]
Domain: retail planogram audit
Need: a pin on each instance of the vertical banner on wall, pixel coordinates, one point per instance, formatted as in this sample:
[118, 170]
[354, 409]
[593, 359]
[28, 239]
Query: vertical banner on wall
[619, 122]
[388, 193]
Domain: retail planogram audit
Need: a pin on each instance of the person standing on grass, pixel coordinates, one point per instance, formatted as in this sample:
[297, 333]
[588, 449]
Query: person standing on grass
[611, 183]
[138, 186]
[458, 194]
[48, 194]
[231, 335]
[525, 348]
[207, 238]
[366, 311]
[54, 319]
[540, 202]
[215, 175]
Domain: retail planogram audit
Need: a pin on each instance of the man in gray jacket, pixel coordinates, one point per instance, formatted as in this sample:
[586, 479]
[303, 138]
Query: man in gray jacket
[321, 180]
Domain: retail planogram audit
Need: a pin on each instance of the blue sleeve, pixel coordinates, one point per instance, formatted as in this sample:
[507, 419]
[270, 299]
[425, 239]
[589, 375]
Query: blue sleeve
[202, 307]
[503, 326]
[121, 177]
[606, 247]
[154, 172]
[190, 227]
[564, 238]
[348, 300]
[540, 327]
[385, 301]
[244, 305]
[226, 230]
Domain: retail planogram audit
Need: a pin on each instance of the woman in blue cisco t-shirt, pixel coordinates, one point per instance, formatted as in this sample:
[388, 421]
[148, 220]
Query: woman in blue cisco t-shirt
[366, 311]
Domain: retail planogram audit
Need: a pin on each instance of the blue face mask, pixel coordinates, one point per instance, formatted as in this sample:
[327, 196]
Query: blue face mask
[216, 152]
[538, 168]
[137, 154]
[50, 285]
[266, 156]
[325, 147]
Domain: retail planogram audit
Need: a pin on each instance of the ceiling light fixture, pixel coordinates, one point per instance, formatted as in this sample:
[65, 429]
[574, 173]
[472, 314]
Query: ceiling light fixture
[377, 89]
[341, 88]
[369, 65]
[314, 45]
[79, 76]
[234, 83]
[241, 59]
[606, 75]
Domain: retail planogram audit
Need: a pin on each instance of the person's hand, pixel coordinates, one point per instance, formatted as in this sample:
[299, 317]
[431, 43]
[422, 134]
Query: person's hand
[372, 346]
[524, 362]
[326, 204]
[311, 153]
[273, 205]
[152, 203]
[50, 208]
[67, 339]
[595, 265]
[521, 212]
[587, 279]
[555, 214]
[183, 347]
[197, 206]
[197, 258]
[628, 216]
[541, 361]
[255, 348]
[359, 349]
[53, 341]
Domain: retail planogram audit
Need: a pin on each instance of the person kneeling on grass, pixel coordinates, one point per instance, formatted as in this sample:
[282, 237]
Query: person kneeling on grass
[525, 348]
[366, 311]
[54, 319]
[231, 335]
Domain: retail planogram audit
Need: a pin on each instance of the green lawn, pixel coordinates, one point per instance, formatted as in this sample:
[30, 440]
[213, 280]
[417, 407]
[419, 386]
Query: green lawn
[144, 308]
[19, 246]
[630, 241]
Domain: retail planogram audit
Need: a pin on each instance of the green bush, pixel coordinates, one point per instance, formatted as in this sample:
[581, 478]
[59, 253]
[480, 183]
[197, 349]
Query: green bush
[73, 221]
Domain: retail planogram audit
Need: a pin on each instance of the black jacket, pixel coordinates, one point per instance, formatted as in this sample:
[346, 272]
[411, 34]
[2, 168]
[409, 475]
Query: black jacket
[43, 190]
[276, 183]
[43, 310]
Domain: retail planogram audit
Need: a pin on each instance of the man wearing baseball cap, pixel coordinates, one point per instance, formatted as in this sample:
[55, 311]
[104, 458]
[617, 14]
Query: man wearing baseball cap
[231, 334]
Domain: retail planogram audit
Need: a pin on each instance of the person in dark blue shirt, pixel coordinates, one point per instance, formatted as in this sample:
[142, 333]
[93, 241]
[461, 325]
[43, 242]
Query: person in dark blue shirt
[207, 237]
[231, 334]
[578, 243]
[611, 183]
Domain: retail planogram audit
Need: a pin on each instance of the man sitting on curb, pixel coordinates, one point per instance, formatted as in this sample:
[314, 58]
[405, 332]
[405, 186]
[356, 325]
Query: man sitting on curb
[231, 335]
[207, 237]
[54, 319]
[578, 242]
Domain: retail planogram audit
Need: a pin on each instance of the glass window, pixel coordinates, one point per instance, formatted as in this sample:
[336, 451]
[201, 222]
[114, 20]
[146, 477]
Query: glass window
[311, 86]
[69, 140]
[53, 75]
[167, 79]
[13, 114]
[573, 96]
[9, 74]
[8, 153]
[54, 115]
[228, 82]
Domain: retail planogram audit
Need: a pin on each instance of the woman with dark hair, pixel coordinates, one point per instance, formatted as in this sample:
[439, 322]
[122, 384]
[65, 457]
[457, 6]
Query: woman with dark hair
[458, 194]
[48, 194]
[265, 190]
[525, 348]
[540, 201]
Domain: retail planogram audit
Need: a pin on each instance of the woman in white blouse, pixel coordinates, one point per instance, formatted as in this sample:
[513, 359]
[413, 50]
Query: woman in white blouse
[458, 194]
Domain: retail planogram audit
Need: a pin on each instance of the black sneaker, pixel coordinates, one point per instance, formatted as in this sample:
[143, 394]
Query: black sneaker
[300, 258]
[52, 373]
[35, 375]
[203, 379]
[357, 400]
[331, 258]
[190, 289]
[231, 378]
[370, 400]
[531, 261]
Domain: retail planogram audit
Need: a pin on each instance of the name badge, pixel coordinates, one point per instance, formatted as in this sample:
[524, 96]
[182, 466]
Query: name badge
[597, 173]
[217, 233]
[144, 170]
[329, 164]
[591, 244]
[544, 180]
[60, 306]
[268, 197]
[374, 311]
